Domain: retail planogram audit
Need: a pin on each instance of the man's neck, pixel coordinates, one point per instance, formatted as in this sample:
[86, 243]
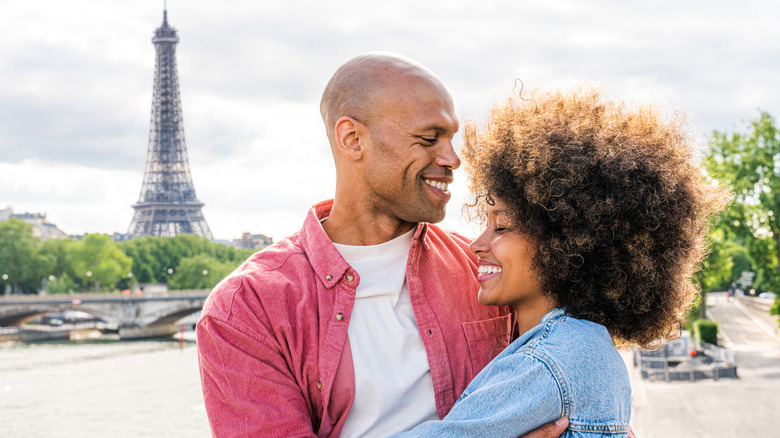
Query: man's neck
[348, 226]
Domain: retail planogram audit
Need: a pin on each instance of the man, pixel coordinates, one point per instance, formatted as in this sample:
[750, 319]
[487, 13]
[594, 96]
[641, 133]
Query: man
[365, 322]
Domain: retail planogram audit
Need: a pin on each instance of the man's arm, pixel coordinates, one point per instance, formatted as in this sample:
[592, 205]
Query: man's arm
[247, 385]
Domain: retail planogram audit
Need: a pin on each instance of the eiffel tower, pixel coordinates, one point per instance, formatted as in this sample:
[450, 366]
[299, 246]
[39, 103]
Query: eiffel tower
[167, 205]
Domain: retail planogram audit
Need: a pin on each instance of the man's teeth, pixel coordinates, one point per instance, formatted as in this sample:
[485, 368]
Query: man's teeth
[489, 269]
[439, 185]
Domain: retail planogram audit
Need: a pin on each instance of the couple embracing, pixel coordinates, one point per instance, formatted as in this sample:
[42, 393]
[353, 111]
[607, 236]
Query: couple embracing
[373, 321]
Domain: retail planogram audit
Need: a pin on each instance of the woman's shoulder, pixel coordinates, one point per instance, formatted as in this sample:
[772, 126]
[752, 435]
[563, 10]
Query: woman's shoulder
[586, 365]
[572, 344]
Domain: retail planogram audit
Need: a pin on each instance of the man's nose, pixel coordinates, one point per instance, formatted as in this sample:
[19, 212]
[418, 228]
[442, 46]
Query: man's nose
[447, 156]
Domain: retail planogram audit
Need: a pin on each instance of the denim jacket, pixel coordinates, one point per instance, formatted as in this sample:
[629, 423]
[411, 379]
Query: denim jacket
[562, 367]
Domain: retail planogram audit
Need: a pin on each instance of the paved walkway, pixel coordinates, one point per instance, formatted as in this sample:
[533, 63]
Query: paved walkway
[726, 408]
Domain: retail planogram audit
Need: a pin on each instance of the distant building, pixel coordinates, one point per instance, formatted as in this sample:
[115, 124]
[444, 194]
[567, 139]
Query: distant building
[42, 228]
[121, 237]
[252, 241]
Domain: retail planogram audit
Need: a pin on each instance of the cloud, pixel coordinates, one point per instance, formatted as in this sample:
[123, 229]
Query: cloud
[77, 77]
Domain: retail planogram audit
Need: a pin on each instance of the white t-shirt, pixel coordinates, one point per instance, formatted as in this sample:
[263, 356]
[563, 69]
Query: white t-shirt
[393, 385]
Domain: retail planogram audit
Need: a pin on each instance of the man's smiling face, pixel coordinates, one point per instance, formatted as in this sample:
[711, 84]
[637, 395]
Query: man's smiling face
[409, 151]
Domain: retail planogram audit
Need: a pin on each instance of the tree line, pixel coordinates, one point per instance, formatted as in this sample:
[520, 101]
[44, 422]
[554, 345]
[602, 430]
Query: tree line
[96, 263]
[746, 237]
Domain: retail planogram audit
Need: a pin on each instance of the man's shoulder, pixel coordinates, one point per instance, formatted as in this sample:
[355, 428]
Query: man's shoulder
[259, 279]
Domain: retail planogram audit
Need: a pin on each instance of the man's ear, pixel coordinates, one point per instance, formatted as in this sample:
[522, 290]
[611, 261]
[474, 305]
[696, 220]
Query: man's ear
[347, 133]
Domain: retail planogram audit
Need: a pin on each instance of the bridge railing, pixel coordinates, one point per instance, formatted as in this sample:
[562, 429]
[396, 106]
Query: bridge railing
[101, 295]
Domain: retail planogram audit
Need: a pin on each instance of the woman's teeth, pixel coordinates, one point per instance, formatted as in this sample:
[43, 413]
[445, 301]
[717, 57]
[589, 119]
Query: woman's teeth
[489, 269]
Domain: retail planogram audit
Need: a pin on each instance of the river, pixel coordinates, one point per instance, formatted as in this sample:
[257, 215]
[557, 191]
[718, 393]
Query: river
[101, 387]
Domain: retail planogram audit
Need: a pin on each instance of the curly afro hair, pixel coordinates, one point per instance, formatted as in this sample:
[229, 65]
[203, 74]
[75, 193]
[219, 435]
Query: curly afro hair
[611, 195]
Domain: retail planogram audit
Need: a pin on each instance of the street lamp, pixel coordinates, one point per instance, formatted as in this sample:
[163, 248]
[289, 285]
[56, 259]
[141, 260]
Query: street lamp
[129, 275]
[205, 272]
[51, 278]
[5, 277]
[170, 271]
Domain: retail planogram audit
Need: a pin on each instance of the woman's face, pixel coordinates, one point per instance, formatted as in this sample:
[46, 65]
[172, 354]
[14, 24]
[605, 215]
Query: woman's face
[505, 275]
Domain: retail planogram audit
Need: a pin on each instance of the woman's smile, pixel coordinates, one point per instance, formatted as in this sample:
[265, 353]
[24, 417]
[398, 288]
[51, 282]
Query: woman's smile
[487, 270]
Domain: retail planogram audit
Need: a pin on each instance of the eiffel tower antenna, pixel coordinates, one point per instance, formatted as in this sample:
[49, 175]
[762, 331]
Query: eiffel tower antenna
[167, 205]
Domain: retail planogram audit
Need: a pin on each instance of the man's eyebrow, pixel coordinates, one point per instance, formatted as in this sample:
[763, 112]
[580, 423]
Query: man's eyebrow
[437, 128]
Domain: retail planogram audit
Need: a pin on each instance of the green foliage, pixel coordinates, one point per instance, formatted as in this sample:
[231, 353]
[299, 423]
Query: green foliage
[694, 314]
[153, 256]
[60, 250]
[21, 258]
[97, 260]
[28, 262]
[200, 272]
[60, 285]
[715, 272]
[740, 259]
[706, 331]
[775, 309]
[748, 164]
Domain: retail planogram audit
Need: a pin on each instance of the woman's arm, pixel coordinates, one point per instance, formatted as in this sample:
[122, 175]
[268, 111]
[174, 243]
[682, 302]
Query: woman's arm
[513, 396]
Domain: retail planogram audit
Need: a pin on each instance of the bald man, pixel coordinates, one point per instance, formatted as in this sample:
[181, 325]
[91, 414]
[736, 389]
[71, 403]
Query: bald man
[365, 322]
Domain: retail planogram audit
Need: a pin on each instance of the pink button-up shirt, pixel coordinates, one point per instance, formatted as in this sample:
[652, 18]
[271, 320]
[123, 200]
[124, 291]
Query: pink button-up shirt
[274, 354]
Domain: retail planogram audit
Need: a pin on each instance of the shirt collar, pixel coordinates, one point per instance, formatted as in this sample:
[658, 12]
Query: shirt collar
[325, 259]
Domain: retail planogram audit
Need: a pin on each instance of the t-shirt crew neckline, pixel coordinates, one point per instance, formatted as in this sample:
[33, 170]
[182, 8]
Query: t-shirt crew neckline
[391, 248]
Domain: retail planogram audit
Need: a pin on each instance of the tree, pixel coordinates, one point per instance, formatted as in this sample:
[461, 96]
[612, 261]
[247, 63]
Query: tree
[715, 272]
[61, 253]
[153, 256]
[97, 259]
[200, 272]
[60, 284]
[22, 266]
[749, 163]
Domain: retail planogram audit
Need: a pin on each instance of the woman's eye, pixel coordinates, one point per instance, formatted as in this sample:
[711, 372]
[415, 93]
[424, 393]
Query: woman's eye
[500, 229]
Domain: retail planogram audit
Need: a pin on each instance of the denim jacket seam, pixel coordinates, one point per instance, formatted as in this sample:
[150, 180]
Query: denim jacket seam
[532, 344]
[556, 373]
[534, 349]
[602, 428]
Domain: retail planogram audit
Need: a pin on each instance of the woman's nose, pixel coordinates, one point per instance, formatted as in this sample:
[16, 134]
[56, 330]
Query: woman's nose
[479, 245]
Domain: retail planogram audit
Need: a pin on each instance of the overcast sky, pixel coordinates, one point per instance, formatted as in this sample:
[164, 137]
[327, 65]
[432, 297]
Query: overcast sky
[76, 87]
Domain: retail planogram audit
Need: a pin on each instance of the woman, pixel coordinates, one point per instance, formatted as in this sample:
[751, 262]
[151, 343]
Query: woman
[596, 219]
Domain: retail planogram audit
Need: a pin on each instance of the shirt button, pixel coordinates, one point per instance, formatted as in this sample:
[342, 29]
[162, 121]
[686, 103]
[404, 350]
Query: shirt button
[319, 384]
[340, 316]
[328, 277]
[349, 277]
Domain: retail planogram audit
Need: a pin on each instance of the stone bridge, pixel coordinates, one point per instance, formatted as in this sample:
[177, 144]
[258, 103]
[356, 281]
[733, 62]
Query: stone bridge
[136, 316]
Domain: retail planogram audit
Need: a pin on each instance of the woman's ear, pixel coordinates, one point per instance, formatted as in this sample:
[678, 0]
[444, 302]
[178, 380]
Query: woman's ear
[347, 134]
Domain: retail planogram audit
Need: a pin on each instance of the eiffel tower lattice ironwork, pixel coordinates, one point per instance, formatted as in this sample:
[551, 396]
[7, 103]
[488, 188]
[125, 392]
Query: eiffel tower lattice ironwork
[167, 205]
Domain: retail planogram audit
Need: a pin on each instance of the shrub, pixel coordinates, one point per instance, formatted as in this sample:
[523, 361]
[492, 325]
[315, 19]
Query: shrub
[706, 331]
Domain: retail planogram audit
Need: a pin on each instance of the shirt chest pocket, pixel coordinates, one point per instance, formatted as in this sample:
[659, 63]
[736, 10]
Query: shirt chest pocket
[486, 339]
